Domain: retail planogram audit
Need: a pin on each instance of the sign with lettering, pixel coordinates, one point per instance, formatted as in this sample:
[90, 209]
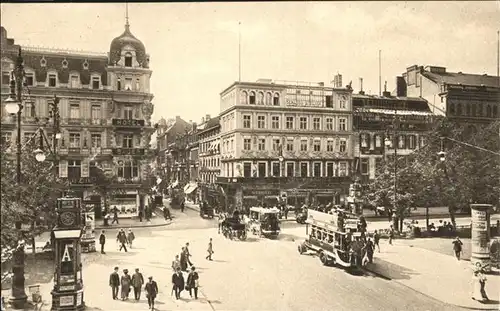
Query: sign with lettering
[261, 192]
[66, 287]
[66, 301]
[128, 122]
[128, 151]
[319, 217]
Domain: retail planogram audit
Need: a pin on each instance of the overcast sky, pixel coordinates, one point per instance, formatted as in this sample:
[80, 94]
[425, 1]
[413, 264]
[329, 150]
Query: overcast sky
[194, 46]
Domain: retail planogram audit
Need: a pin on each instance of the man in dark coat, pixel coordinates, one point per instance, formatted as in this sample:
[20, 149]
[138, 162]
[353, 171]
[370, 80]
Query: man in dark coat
[183, 260]
[121, 237]
[137, 281]
[178, 283]
[151, 289]
[115, 216]
[182, 206]
[114, 282]
[102, 241]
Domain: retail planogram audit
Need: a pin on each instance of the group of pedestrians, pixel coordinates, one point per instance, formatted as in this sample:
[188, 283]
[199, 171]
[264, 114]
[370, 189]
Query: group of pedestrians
[127, 282]
[123, 239]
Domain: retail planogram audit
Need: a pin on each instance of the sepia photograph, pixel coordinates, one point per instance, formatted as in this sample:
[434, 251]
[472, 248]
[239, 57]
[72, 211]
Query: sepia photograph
[250, 156]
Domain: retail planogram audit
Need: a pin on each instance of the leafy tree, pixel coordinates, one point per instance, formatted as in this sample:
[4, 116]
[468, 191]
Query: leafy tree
[33, 201]
[467, 175]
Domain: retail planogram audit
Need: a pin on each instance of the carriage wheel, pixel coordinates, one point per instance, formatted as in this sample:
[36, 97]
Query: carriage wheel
[323, 258]
[243, 235]
[300, 249]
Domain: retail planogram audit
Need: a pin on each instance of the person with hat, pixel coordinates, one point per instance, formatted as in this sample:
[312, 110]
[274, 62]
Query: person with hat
[210, 250]
[192, 283]
[151, 289]
[121, 238]
[114, 282]
[102, 241]
[130, 237]
[177, 283]
[137, 281]
[125, 283]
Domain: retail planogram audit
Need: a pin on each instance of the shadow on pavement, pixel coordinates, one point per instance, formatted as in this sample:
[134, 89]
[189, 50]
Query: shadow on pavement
[218, 260]
[390, 270]
[289, 237]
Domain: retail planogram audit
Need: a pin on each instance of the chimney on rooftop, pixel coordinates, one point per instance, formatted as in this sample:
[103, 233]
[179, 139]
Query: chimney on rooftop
[207, 117]
[361, 92]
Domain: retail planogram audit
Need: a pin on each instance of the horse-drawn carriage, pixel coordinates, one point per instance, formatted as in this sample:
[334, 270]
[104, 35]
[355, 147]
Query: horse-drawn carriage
[233, 227]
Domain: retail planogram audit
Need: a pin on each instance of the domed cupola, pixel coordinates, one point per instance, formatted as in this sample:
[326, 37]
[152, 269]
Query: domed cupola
[128, 44]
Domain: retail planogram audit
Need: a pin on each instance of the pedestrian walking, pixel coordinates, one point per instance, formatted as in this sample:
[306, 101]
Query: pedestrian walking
[369, 248]
[105, 220]
[114, 282]
[457, 247]
[192, 283]
[221, 220]
[130, 237]
[125, 281]
[121, 239]
[166, 213]
[151, 289]
[177, 283]
[115, 216]
[182, 206]
[188, 254]
[141, 213]
[137, 282]
[376, 240]
[210, 250]
[176, 263]
[479, 278]
[391, 234]
[102, 241]
[183, 260]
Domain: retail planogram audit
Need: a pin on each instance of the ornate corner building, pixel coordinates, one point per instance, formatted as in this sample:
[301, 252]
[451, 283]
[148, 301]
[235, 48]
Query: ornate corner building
[285, 139]
[105, 107]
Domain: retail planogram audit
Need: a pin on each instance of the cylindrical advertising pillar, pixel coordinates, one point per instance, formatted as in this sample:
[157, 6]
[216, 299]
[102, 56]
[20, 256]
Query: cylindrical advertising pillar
[480, 237]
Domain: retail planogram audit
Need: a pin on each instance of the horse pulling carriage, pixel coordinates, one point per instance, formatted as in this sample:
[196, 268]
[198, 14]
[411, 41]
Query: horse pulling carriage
[233, 227]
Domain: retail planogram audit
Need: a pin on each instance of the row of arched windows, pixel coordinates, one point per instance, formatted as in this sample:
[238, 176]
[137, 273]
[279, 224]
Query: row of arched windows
[258, 98]
[473, 110]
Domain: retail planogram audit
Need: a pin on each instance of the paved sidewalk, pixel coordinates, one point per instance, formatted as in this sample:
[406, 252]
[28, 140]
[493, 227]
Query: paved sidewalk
[436, 275]
[156, 221]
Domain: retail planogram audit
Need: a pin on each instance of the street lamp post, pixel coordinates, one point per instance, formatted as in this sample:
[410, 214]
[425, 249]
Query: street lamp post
[388, 143]
[14, 106]
[281, 159]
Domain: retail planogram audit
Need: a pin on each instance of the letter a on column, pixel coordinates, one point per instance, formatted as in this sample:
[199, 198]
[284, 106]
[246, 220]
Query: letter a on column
[66, 257]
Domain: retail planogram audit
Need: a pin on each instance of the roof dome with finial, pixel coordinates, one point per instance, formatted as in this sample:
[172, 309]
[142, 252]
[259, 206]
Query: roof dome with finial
[127, 38]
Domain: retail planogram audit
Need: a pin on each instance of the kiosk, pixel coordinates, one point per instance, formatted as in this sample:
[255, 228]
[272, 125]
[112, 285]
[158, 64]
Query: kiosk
[67, 294]
[480, 236]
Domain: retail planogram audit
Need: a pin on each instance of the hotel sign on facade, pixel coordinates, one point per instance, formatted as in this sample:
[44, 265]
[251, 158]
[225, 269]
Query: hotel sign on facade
[128, 122]
[128, 151]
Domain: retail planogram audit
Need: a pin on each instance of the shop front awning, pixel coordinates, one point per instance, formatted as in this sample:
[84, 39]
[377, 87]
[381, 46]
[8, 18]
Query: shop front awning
[186, 187]
[191, 189]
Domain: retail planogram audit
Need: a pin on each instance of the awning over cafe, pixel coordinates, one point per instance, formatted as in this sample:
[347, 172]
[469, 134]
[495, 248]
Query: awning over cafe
[191, 189]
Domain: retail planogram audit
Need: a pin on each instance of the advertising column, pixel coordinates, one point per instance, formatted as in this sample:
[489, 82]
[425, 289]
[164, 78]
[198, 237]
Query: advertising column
[480, 235]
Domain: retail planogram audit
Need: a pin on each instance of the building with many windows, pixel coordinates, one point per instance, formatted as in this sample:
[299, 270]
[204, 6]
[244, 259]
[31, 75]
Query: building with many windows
[209, 159]
[285, 138]
[374, 119]
[105, 108]
[471, 97]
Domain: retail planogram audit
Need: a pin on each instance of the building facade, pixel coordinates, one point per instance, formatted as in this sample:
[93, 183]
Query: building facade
[290, 139]
[105, 108]
[209, 159]
[374, 119]
[471, 97]
[171, 143]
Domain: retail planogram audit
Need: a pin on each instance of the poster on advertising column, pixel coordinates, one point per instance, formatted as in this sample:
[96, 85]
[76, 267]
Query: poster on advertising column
[479, 234]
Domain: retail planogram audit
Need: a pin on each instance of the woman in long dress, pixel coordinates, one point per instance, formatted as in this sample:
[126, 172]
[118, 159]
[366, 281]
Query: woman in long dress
[126, 280]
